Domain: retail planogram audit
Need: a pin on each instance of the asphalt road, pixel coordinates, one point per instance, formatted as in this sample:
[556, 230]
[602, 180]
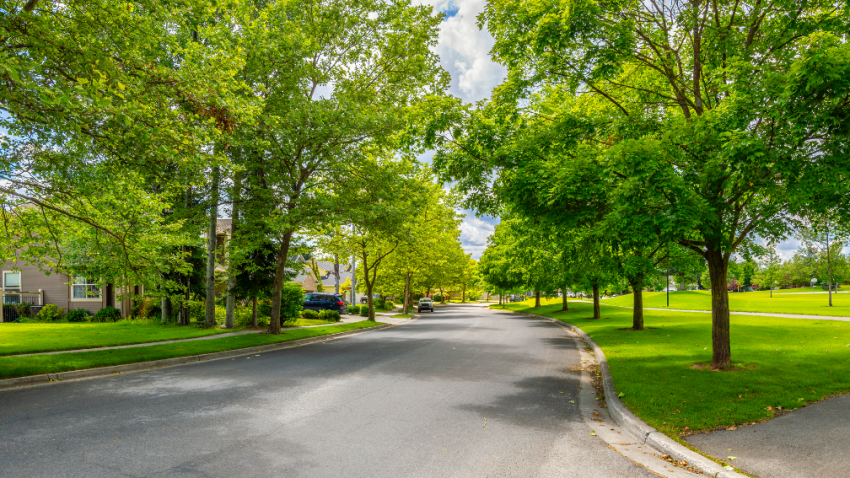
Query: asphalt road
[463, 392]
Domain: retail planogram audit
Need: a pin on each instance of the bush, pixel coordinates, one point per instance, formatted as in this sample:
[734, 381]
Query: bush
[389, 305]
[379, 302]
[353, 309]
[77, 315]
[50, 313]
[437, 298]
[107, 314]
[291, 301]
[364, 311]
[329, 315]
[220, 314]
[310, 314]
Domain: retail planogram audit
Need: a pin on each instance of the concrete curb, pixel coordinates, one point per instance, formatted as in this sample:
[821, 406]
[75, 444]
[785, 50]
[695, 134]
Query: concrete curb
[138, 366]
[634, 425]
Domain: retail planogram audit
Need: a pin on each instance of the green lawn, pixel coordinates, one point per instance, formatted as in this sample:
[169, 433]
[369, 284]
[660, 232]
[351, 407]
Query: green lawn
[40, 364]
[784, 363]
[402, 316]
[31, 338]
[780, 303]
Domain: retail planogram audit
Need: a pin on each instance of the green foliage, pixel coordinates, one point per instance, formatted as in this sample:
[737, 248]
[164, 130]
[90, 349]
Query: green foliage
[291, 301]
[353, 309]
[309, 314]
[364, 311]
[437, 297]
[107, 314]
[77, 315]
[50, 313]
[329, 315]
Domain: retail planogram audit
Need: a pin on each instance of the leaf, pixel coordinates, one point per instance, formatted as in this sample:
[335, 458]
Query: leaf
[621, 395]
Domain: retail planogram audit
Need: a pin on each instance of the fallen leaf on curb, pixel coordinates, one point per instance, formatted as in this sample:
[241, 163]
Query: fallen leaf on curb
[731, 429]
[732, 457]
[485, 423]
[621, 395]
[728, 468]
[572, 401]
[593, 434]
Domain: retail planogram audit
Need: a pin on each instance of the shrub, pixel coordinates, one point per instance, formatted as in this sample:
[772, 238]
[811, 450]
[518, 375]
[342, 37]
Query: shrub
[353, 309]
[437, 298]
[220, 314]
[389, 305]
[77, 315]
[310, 314]
[378, 302]
[364, 311]
[50, 313]
[107, 314]
[291, 301]
[329, 315]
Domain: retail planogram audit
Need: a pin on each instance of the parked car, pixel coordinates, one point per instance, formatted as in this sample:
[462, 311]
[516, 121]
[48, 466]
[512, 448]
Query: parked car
[425, 304]
[318, 301]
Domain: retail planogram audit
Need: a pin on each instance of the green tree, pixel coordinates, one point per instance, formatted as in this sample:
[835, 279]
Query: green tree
[699, 121]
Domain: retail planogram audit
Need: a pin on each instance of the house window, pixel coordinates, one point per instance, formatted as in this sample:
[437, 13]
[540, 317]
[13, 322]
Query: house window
[86, 288]
[12, 283]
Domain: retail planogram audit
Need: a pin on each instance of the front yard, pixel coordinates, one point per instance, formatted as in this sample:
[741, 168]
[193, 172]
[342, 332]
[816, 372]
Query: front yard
[782, 364]
[40, 364]
[32, 338]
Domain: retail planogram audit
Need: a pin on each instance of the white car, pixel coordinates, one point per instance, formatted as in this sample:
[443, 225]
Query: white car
[425, 303]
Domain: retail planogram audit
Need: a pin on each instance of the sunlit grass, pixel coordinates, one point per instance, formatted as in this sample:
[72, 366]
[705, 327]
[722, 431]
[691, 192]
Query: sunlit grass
[783, 363]
[40, 364]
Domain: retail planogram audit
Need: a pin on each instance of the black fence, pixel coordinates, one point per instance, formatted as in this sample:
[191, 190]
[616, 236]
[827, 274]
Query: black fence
[17, 305]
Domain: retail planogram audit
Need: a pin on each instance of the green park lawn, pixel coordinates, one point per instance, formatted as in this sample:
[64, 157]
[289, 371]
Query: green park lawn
[31, 338]
[781, 363]
[402, 316]
[40, 364]
[782, 302]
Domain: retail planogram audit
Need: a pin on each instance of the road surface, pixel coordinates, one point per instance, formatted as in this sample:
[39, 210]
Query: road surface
[463, 392]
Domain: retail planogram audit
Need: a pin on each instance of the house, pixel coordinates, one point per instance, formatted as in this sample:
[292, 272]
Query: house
[307, 279]
[23, 283]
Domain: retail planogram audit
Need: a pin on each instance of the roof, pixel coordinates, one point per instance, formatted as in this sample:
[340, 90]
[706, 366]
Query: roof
[325, 273]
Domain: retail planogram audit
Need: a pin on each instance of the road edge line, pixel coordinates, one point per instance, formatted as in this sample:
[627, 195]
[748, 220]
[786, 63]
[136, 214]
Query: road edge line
[47, 378]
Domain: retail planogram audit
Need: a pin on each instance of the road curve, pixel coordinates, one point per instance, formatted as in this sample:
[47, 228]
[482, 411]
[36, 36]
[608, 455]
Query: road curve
[463, 392]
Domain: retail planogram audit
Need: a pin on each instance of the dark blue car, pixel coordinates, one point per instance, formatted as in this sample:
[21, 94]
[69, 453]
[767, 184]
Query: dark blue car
[321, 301]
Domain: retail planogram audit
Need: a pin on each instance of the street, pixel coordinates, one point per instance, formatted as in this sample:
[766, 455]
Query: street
[462, 392]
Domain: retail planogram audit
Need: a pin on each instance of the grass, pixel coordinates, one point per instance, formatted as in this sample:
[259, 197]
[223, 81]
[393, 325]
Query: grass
[782, 362]
[780, 303]
[402, 316]
[40, 364]
[32, 338]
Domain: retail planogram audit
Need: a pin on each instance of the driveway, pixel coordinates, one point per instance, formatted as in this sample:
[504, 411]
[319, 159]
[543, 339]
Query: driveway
[463, 392]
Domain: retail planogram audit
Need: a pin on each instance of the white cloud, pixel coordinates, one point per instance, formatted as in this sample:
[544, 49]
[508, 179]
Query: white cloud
[474, 232]
[465, 50]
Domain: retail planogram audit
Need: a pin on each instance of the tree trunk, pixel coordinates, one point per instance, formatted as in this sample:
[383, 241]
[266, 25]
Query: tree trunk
[828, 270]
[463, 297]
[406, 293]
[597, 313]
[254, 313]
[166, 309]
[230, 320]
[369, 284]
[279, 274]
[336, 274]
[537, 299]
[637, 312]
[565, 306]
[718, 265]
[212, 240]
[500, 296]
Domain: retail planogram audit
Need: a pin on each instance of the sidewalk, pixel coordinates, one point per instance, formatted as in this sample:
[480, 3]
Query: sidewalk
[757, 314]
[345, 319]
[808, 442]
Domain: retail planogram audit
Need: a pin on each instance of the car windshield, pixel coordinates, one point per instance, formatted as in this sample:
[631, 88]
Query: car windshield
[424, 300]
